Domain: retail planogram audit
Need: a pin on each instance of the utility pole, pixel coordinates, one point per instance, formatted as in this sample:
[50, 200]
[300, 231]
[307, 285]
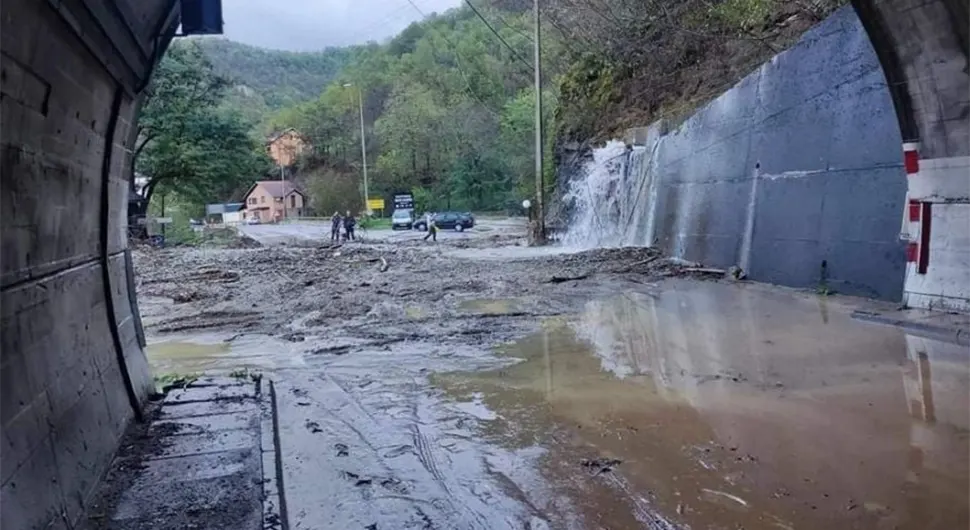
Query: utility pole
[363, 142]
[540, 228]
[282, 182]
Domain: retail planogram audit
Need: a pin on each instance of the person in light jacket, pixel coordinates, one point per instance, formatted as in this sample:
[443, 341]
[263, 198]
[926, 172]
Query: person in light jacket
[432, 228]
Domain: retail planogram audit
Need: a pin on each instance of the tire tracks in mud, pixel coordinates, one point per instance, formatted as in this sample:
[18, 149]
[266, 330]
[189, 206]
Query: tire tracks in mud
[437, 499]
[429, 458]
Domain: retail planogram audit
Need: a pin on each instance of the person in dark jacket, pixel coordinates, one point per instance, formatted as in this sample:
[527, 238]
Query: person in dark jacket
[349, 224]
[335, 227]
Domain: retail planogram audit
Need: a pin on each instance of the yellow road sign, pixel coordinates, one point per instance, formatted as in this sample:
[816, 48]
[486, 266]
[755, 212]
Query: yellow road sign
[375, 204]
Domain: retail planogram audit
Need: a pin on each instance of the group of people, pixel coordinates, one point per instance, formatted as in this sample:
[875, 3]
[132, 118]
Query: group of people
[347, 222]
[342, 227]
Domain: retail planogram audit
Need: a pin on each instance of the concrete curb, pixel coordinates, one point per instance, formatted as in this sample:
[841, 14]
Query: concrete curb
[941, 333]
[274, 502]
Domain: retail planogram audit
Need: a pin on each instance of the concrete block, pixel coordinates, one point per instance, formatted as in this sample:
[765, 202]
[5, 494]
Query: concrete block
[204, 408]
[71, 234]
[20, 28]
[211, 442]
[32, 498]
[119, 407]
[57, 327]
[210, 393]
[18, 392]
[204, 424]
[22, 435]
[165, 487]
[85, 439]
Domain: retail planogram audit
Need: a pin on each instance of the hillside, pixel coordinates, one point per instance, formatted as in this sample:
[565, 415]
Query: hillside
[280, 78]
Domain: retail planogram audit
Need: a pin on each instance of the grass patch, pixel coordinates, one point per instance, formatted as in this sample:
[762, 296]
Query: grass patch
[166, 382]
[375, 223]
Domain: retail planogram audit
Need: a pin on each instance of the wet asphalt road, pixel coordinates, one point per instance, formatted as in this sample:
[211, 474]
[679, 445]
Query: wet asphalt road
[298, 232]
[661, 404]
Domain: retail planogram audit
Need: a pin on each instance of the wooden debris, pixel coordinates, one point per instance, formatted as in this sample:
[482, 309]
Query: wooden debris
[561, 279]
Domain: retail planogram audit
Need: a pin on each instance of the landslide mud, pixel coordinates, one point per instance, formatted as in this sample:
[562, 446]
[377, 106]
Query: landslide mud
[485, 385]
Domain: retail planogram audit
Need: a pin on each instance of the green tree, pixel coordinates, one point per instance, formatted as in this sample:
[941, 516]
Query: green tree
[189, 145]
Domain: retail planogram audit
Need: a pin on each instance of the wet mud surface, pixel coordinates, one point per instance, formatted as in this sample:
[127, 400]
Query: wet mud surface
[482, 384]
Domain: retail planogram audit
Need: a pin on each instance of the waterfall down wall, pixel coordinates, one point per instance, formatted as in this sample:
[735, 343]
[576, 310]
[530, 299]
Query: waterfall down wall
[795, 174]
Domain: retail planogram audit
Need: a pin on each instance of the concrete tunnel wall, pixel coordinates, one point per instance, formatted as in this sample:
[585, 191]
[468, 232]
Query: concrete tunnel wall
[72, 371]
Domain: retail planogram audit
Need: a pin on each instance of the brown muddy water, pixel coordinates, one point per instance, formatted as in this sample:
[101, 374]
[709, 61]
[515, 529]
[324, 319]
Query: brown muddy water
[707, 405]
[489, 306]
[220, 353]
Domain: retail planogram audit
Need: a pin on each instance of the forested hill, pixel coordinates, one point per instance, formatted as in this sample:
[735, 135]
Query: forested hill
[281, 78]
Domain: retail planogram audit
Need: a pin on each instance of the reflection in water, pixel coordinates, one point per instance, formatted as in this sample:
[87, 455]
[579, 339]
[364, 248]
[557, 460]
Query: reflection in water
[738, 407]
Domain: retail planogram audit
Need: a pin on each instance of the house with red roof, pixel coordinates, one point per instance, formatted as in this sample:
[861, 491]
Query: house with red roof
[273, 200]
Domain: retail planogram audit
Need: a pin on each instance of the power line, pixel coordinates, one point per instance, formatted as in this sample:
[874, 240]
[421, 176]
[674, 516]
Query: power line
[464, 77]
[513, 28]
[490, 28]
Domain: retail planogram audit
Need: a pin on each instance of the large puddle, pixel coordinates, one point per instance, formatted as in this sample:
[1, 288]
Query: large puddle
[717, 406]
[218, 353]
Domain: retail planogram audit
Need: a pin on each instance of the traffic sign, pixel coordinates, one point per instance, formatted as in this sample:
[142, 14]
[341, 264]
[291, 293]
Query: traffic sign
[375, 204]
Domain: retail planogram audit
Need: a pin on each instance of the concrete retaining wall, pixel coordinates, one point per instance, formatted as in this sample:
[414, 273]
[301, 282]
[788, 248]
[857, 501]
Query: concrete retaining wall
[795, 173]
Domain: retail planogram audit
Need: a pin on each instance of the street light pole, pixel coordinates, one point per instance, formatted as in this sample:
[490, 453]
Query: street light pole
[363, 147]
[540, 235]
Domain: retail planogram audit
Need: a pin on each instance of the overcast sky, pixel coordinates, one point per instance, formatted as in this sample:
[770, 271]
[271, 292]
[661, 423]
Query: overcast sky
[306, 25]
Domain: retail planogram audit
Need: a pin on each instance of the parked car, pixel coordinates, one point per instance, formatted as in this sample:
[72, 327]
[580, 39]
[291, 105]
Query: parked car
[252, 220]
[444, 220]
[403, 219]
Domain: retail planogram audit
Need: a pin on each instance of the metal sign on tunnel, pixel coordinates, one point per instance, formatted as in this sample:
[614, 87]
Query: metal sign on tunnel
[201, 17]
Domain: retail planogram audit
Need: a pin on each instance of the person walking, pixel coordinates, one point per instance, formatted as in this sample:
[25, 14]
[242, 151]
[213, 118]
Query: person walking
[335, 227]
[349, 224]
[432, 228]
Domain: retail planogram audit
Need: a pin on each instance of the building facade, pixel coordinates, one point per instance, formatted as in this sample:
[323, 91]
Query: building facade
[285, 147]
[270, 201]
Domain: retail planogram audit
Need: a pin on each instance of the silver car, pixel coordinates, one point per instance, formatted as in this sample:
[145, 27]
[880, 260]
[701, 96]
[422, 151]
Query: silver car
[402, 220]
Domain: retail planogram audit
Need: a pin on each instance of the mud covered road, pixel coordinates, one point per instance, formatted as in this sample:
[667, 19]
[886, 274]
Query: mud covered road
[480, 384]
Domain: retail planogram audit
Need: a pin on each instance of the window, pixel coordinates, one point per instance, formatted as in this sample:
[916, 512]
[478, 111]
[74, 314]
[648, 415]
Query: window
[262, 199]
[252, 200]
[292, 201]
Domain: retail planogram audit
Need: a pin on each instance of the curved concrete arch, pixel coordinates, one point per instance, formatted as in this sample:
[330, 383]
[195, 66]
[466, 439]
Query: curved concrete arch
[72, 370]
[923, 48]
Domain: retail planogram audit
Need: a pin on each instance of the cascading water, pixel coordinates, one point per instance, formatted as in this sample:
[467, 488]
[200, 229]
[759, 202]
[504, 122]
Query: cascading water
[614, 202]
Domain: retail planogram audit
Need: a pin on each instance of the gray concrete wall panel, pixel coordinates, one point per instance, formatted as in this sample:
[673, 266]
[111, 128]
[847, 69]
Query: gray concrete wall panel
[816, 124]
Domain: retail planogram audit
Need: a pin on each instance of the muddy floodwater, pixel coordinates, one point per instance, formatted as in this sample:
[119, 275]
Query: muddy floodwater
[710, 406]
[597, 390]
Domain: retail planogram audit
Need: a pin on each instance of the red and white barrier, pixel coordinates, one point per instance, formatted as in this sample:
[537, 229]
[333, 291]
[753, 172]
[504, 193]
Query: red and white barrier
[936, 223]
